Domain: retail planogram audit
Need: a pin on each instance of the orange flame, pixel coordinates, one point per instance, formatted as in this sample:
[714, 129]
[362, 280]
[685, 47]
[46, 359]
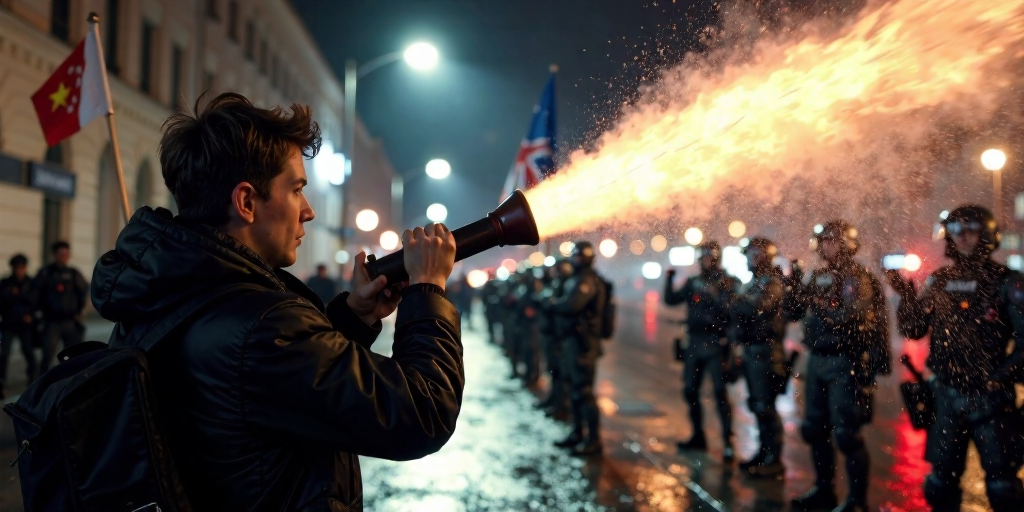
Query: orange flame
[797, 106]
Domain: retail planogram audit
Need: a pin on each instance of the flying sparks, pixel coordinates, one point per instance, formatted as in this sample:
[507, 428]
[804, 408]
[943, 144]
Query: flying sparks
[792, 110]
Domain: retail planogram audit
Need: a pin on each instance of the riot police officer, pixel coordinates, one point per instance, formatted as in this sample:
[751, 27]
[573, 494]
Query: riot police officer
[707, 296]
[553, 333]
[759, 327]
[17, 318]
[973, 309]
[583, 305]
[847, 333]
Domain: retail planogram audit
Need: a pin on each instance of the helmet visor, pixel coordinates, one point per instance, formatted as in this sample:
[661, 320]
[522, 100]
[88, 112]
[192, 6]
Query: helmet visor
[957, 228]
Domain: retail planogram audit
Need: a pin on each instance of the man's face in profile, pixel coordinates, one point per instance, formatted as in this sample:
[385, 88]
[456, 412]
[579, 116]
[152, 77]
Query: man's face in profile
[279, 218]
[62, 256]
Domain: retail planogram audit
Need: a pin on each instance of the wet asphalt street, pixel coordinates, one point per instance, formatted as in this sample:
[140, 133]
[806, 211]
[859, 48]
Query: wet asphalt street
[501, 456]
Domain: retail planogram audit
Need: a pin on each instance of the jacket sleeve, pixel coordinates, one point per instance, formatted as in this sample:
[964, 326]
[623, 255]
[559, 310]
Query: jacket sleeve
[577, 298]
[81, 291]
[914, 314]
[304, 379]
[675, 297]
[353, 328]
[1012, 369]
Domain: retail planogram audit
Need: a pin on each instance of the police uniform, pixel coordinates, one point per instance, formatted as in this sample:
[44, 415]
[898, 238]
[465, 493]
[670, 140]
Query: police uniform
[707, 297]
[552, 334]
[759, 326]
[17, 309]
[846, 330]
[582, 306]
[62, 293]
[973, 310]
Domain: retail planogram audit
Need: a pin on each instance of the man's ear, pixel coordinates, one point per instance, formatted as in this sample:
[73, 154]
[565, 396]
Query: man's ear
[243, 202]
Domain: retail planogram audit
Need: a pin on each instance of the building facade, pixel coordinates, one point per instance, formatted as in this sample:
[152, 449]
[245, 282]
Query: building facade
[160, 55]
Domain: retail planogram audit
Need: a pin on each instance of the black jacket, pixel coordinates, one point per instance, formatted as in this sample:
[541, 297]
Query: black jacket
[61, 292]
[16, 302]
[267, 397]
[707, 297]
[581, 304]
[972, 311]
[757, 310]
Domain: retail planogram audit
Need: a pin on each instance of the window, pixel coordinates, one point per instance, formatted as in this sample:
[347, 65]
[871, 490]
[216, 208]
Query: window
[146, 69]
[110, 39]
[250, 40]
[60, 13]
[233, 20]
[263, 56]
[177, 56]
[211, 10]
[209, 82]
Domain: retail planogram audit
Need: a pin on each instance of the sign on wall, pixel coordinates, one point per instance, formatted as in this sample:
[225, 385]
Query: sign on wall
[51, 179]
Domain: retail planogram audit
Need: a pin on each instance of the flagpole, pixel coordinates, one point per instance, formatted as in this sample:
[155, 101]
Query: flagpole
[94, 21]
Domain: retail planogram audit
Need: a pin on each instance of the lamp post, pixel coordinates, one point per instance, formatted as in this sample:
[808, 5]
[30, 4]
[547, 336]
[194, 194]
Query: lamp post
[994, 160]
[419, 56]
[437, 169]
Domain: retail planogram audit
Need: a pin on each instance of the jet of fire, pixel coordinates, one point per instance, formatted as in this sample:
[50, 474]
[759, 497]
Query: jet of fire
[794, 109]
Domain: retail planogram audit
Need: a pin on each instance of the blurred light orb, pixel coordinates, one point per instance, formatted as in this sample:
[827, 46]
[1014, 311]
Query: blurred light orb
[342, 257]
[912, 262]
[651, 270]
[659, 243]
[693, 236]
[438, 168]
[502, 273]
[682, 256]
[744, 242]
[944, 214]
[367, 220]
[476, 278]
[818, 228]
[421, 56]
[993, 159]
[509, 265]
[636, 247]
[437, 212]
[389, 240]
[549, 261]
[566, 248]
[608, 247]
[537, 258]
[737, 229]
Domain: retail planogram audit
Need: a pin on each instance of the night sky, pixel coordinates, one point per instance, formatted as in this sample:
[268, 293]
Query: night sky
[474, 109]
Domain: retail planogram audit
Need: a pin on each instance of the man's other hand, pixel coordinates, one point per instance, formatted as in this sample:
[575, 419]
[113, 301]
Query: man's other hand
[429, 254]
[371, 300]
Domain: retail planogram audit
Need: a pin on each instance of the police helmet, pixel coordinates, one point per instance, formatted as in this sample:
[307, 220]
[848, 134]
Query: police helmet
[713, 249]
[583, 254]
[760, 251]
[972, 217]
[838, 230]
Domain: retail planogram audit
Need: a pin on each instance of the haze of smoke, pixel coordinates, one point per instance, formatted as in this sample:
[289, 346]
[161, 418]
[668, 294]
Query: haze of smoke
[788, 132]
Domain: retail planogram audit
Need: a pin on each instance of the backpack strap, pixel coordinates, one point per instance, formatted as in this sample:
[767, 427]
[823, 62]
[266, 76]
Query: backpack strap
[147, 336]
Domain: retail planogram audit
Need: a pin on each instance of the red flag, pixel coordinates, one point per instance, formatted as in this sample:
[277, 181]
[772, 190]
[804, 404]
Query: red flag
[74, 94]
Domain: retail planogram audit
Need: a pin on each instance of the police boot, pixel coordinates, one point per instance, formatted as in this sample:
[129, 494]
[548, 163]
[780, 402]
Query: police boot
[588, 447]
[850, 506]
[697, 442]
[754, 461]
[571, 440]
[817, 498]
[768, 467]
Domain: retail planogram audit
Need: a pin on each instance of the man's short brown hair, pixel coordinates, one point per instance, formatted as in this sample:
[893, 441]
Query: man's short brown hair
[206, 153]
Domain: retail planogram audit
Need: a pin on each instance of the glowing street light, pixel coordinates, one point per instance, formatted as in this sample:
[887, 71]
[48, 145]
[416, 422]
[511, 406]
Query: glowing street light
[566, 248]
[993, 159]
[421, 56]
[693, 236]
[537, 259]
[636, 247]
[437, 212]
[651, 270]
[438, 168]
[608, 247]
[477, 278]
[342, 257]
[737, 229]
[367, 220]
[659, 243]
[389, 240]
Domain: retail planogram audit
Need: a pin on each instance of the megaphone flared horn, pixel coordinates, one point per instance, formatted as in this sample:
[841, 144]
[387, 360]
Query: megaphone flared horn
[511, 223]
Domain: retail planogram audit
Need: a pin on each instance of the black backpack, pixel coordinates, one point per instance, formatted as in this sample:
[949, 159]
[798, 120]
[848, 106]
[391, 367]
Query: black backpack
[88, 433]
[608, 310]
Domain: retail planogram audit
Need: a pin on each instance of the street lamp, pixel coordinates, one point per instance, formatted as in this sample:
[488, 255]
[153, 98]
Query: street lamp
[994, 160]
[437, 169]
[420, 56]
[437, 212]
[367, 220]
